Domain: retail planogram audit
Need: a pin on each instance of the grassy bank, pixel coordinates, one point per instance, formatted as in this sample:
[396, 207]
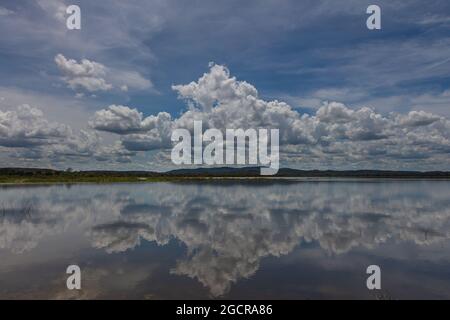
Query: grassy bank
[49, 176]
[76, 179]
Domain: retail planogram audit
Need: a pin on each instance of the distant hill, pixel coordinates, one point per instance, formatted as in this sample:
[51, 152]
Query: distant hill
[287, 172]
[223, 172]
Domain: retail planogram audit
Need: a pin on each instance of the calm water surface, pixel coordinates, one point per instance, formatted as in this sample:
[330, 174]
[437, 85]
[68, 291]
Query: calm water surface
[237, 240]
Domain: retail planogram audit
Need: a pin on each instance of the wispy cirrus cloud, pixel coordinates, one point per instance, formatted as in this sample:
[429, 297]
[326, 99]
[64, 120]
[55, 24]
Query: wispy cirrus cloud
[5, 12]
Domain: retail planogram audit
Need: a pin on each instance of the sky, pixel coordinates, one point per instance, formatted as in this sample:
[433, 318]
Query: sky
[109, 95]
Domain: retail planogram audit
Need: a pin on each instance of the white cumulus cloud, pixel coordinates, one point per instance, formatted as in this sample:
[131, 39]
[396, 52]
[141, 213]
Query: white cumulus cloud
[335, 135]
[93, 76]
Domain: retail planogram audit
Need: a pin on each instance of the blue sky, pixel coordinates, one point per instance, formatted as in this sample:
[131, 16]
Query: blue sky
[304, 53]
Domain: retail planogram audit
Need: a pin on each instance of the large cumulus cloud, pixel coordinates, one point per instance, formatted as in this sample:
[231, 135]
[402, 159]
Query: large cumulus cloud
[27, 135]
[26, 126]
[335, 133]
[334, 137]
[124, 120]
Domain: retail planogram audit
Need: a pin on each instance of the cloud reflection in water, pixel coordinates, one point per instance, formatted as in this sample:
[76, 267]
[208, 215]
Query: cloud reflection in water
[229, 227]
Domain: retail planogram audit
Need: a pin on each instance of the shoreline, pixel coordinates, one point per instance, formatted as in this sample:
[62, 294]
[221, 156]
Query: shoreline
[141, 180]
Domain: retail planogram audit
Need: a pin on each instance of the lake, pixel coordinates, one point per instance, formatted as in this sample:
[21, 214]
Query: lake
[244, 239]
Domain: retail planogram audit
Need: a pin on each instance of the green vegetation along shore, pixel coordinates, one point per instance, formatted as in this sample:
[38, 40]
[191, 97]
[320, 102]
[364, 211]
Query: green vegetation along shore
[49, 176]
